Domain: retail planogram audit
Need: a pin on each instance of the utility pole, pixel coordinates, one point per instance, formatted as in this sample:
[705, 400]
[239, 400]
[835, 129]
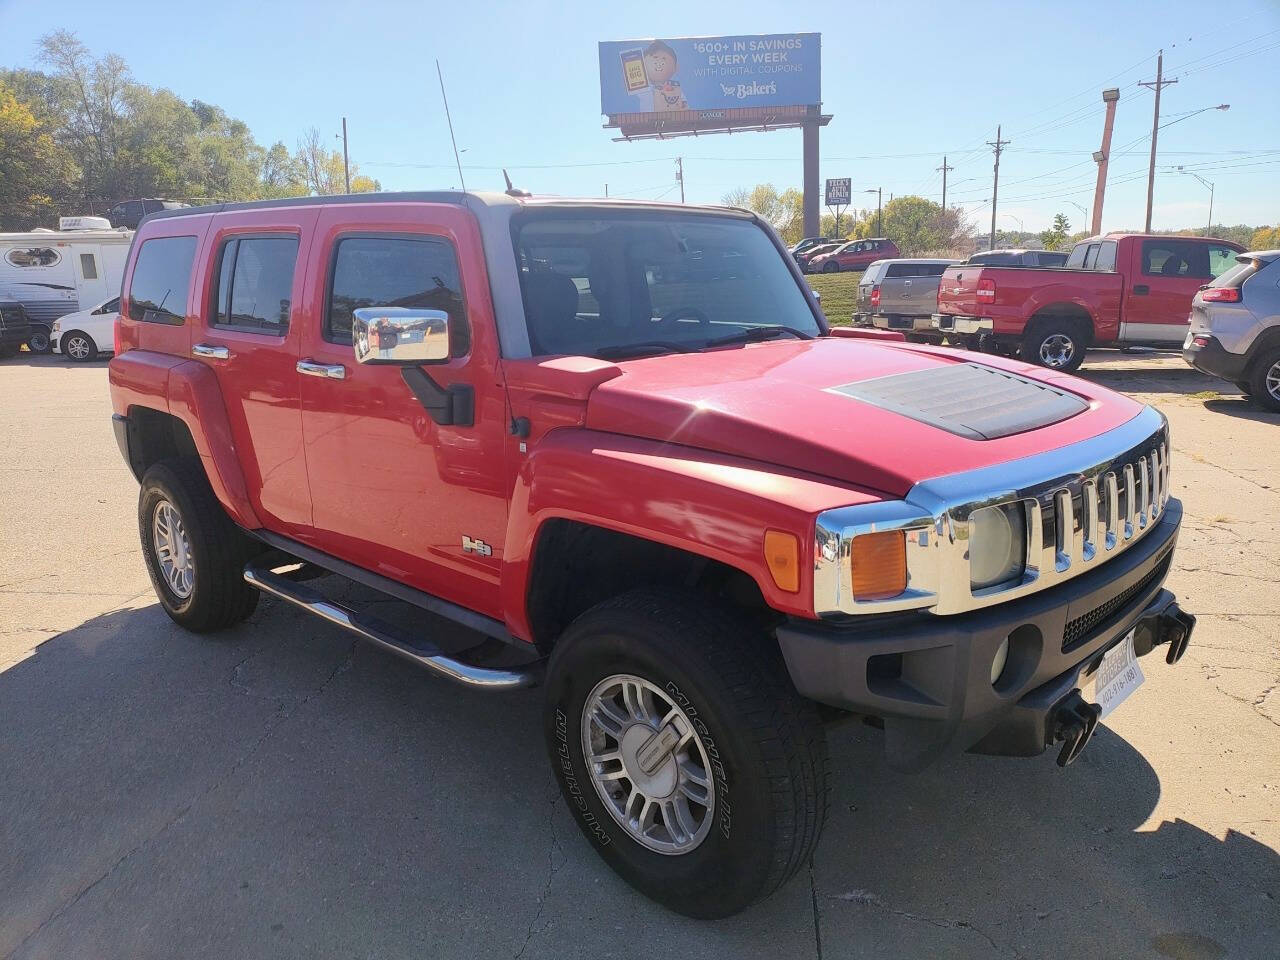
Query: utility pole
[1159, 84]
[346, 166]
[944, 168]
[1102, 158]
[606, 191]
[999, 145]
[680, 176]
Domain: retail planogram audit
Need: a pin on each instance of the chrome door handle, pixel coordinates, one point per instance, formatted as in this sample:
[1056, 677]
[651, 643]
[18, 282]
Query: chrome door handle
[211, 350]
[330, 371]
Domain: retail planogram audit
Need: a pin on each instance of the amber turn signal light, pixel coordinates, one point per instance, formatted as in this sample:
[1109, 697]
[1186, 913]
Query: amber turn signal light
[782, 554]
[879, 565]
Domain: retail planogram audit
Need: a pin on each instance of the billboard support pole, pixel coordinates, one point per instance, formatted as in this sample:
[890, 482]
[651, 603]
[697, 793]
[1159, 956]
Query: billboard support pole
[812, 219]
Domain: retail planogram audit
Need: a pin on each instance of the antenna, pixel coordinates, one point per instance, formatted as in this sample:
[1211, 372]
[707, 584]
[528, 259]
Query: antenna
[449, 119]
[513, 191]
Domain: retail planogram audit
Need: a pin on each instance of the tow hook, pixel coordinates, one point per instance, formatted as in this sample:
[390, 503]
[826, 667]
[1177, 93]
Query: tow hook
[1073, 721]
[1172, 626]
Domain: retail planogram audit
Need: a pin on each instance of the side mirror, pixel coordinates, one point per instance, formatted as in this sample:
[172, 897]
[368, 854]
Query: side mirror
[817, 295]
[400, 335]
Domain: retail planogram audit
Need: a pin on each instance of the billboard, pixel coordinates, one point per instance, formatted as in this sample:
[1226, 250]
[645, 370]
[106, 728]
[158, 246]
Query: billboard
[839, 191]
[710, 74]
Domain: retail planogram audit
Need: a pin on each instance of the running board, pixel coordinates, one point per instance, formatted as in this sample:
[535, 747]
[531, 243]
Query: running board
[370, 628]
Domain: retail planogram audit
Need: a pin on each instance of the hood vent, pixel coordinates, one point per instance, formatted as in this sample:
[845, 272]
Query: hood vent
[969, 400]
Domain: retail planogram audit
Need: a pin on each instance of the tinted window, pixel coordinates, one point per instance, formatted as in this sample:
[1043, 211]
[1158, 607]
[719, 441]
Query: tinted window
[88, 267]
[1221, 259]
[617, 282]
[416, 272]
[1091, 256]
[1171, 258]
[111, 306]
[1076, 259]
[161, 278]
[1107, 255]
[255, 284]
[902, 270]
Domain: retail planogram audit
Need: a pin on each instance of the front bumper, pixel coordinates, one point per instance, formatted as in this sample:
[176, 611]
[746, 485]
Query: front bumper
[950, 323]
[1214, 359]
[929, 677]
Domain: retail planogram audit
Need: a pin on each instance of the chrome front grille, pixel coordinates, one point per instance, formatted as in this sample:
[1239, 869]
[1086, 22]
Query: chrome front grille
[1092, 518]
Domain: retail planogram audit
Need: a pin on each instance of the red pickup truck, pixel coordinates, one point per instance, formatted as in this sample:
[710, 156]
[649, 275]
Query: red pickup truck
[620, 448]
[1118, 289]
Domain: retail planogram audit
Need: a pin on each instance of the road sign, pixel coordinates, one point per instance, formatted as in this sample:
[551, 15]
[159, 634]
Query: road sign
[838, 192]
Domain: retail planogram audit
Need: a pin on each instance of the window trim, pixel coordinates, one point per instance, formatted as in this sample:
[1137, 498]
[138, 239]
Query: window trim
[212, 316]
[332, 265]
[167, 318]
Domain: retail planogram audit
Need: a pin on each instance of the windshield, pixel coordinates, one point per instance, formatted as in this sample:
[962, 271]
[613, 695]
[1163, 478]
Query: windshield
[630, 283]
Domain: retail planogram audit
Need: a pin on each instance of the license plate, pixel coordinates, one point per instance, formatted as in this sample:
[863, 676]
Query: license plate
[1117, 676]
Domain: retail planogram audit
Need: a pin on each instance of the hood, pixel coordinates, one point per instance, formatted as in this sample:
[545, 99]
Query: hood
[858, 411]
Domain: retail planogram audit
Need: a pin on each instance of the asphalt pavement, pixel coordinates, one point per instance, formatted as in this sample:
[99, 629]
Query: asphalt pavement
[278, 791]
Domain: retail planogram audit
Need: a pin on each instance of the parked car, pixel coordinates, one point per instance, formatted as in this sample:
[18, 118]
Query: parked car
[1235, 327]
[691, 508]
[1019, 258]
[85, 334]
[901, 295]
[15, 330]
[803, 258]
[854, 255]
[1119, 289]
[129, 213]
[808, 243]
[51, 273]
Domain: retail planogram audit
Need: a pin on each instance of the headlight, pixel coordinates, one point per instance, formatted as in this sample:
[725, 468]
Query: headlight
[57, 325]
[997, 545]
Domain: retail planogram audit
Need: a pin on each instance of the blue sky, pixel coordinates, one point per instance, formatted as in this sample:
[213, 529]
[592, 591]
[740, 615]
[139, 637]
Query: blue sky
[905, 83]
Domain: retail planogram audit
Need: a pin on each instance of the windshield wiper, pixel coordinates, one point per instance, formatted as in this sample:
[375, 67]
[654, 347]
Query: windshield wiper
[644, 348]
[755, 334]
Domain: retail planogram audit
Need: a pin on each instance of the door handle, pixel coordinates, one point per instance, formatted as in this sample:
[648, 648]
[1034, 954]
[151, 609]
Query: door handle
[211, 350]
[330, 371]
[1141, 290]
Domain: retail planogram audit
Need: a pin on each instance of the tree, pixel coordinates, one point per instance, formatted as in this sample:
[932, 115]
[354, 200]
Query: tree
[785, 211]
[282, 174]
[322, 168]
[916, 225]
[1265, 238]
[35, 172]
[1056, 236]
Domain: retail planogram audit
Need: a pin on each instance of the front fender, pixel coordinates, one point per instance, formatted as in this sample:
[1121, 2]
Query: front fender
[188, 390]
[711, 505]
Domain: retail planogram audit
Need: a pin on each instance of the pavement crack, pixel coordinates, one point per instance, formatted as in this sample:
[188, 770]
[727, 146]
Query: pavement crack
[817, 914]
[868, 899]
[552, 870]
[273, 724]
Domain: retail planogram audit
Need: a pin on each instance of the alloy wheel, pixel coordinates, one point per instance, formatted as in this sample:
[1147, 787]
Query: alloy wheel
[1056, 350]
[649, 766]
[173, 549]
[78, 347]
[1273, 380]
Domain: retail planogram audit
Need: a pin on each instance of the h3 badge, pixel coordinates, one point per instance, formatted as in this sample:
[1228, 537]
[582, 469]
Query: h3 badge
[476, 546]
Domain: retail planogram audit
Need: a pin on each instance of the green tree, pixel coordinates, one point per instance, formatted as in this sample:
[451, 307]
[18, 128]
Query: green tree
[35, 171]
[785, 210]
[1265, 238]
[1056, 236]
[916, 225]
[281, 174]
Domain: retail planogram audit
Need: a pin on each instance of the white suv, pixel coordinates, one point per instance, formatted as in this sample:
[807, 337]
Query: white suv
[85, 334]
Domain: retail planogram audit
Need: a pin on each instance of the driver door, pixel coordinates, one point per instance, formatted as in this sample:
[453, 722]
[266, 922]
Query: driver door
[392, 490]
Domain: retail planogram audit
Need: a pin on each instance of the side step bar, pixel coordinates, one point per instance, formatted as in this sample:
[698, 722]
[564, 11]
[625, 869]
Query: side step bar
[370, 628]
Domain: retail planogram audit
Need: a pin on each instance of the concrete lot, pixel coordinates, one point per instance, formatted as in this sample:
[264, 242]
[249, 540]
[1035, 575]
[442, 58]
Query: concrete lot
[276, 791]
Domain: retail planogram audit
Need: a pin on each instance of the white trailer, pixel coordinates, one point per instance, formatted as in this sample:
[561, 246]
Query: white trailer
[56, 272]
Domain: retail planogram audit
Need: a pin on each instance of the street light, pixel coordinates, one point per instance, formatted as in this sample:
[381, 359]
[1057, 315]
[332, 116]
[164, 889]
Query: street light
[1084, 211]
[1193, 113]
[878, 192]
[1018, 221]
[1208, 183]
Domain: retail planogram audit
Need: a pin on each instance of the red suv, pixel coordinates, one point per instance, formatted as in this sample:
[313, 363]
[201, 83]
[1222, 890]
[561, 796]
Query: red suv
[854, 255]
[619, 448]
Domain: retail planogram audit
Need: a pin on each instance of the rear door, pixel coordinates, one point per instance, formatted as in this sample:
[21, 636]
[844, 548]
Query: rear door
[250, 290]
[1164, 279]
[394, 491]
[895, 288]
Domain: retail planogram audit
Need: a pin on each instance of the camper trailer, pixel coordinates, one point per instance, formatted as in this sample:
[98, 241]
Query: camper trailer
[55, 272]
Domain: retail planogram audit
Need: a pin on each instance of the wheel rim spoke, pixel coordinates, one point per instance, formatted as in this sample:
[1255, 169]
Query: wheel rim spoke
[648, 765]
[172, 549]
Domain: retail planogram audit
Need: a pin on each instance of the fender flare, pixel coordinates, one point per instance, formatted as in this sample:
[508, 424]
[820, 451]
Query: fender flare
[706, 504]
[187, 390]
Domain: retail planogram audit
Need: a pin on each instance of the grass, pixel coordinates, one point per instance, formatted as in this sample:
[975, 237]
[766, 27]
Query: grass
[839, 294]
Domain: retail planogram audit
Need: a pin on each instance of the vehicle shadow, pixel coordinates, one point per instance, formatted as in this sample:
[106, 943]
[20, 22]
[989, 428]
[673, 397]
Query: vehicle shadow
[1151, 371]
[25, 358]
[277, 790]
[1242, 409]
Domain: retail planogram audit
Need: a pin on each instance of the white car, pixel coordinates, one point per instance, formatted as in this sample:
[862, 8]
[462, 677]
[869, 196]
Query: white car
[85, 334]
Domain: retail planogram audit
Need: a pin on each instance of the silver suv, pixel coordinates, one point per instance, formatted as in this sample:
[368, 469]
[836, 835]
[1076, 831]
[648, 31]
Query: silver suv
[901, 295]
[1235, 327]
